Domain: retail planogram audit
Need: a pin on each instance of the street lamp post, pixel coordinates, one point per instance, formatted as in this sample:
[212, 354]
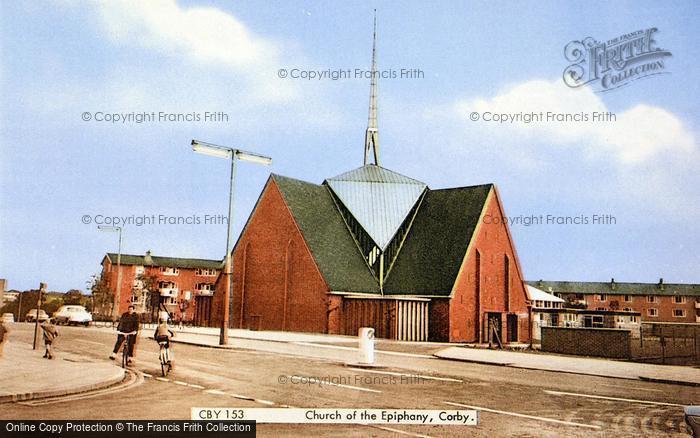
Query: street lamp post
[115, 309]
[233, 154]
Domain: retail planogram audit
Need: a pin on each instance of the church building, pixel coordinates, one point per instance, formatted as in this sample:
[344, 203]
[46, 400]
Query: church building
[374, 248]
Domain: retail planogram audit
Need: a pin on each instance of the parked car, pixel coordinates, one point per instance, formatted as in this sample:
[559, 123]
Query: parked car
[8, 317]
[72, 315]
[31, 316]
[692, 419]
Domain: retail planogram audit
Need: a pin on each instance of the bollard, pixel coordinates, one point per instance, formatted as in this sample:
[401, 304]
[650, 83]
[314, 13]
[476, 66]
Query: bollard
[366, 341]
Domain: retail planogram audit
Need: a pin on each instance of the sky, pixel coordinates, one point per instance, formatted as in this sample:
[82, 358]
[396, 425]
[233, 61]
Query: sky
[76, 75]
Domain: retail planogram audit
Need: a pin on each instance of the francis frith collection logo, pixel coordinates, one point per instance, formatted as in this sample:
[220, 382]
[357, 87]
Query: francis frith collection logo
[616, 62]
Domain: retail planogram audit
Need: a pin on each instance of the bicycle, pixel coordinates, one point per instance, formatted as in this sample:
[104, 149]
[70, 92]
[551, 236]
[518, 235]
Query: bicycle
[129, 339]
[165, 364]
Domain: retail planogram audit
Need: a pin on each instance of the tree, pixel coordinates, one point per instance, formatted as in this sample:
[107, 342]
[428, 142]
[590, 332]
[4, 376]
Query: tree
[147, 293]
[102, 296]
[73, 297]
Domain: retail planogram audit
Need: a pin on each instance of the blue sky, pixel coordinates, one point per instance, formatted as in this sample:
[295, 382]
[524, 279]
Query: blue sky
[64, 58]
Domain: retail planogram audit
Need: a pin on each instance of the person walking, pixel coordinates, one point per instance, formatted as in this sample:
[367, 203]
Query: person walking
[3, 335]
[50, 334]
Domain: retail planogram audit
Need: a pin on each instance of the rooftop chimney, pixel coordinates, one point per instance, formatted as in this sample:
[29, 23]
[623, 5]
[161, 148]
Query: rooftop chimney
[612, 283]
[661, 283]
[147, 258]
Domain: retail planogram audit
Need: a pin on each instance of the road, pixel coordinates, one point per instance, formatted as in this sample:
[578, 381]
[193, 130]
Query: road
[512, 401]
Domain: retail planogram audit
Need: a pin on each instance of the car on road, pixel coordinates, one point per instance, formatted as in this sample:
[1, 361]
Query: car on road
[31, 316]
[72, 315]
[8, 317]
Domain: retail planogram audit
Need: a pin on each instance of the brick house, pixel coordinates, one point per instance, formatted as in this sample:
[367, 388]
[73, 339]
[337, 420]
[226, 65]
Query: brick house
[184, 286]
[374, 248]
[656, 302]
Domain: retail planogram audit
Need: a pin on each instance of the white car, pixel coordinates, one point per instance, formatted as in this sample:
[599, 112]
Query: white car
[72, 315]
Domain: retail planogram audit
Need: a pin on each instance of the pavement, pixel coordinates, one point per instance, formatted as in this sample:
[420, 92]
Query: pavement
[679, 375]
[27, 375]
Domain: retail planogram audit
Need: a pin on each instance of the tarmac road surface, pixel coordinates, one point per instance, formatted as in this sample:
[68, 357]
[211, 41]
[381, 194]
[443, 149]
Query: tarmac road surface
[512, 402]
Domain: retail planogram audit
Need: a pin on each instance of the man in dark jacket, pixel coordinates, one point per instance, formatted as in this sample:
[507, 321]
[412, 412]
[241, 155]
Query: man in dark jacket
[128, 323]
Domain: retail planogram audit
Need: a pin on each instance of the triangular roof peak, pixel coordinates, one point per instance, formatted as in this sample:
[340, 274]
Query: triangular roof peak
[378, 198]
[372, 173]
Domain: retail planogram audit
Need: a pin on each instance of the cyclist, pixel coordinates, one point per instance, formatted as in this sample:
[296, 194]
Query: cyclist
[128, 323]
[162, 335]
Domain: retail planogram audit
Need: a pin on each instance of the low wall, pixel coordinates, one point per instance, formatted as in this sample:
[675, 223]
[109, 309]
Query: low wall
[610, 343]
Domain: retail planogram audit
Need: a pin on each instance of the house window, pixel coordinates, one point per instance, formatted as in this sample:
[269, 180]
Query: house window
[628, 298]
[678, 300]
[167, 285]
[652, 299]
[166, 270]
[601, 297]
[627, 309]
[600, 308]
[679, 313]
[653, 312]
[205, 272]
[633, 319]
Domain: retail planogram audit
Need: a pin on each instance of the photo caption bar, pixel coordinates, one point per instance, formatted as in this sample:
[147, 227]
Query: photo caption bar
[340, 416]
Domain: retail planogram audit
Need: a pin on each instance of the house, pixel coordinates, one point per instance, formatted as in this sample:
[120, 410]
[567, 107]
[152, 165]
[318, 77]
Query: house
[656, 302]
[184, 286]
[549, 311]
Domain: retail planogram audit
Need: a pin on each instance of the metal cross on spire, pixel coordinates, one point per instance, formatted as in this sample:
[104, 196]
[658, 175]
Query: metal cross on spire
[372, 133]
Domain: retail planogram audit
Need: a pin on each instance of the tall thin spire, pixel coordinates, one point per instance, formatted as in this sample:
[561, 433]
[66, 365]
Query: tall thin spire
[372, 133]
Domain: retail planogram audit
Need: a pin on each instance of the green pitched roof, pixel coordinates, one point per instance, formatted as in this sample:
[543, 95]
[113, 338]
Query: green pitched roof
[431, 256]
[427, 264]
[324, 231]
[610, 288]
[174, 262]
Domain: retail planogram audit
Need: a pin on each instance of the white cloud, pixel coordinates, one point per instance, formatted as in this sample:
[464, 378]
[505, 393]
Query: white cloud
[203, 35]
[637, 135]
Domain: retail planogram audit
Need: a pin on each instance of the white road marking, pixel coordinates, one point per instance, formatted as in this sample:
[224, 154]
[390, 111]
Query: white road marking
[242, 397]
[180, 382]
[192, 385]
[95, 393]
[635, 388]
[602, 397]
[338, 347]
[91, 342]
[531, 417]
[162, 379]
[203, 362]
[146, 375]
[444, 379]
[390, 429]
[215, 392]
[264, 402]
[322, 382]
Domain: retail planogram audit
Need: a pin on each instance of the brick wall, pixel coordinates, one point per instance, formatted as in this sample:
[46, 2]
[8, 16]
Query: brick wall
[492, 246]
[610, 343]
[664, 306]
[186, 280]
[438, 320]
[277, 285]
